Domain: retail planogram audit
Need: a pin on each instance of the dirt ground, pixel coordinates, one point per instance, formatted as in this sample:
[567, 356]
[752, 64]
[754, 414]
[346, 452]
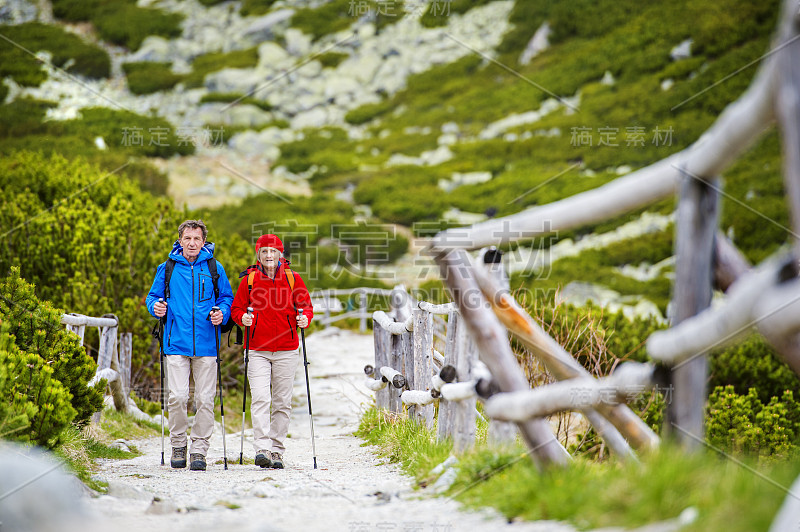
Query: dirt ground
[352, 489]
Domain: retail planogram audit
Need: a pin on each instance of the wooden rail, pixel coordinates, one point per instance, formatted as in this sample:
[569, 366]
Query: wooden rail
[113, 361]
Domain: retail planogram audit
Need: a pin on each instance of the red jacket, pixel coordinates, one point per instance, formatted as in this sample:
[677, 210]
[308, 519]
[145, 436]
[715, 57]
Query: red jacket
[274, 324]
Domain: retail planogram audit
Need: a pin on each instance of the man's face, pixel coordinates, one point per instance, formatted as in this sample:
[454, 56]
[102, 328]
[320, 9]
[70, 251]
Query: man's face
[192, 242]
[269, 257]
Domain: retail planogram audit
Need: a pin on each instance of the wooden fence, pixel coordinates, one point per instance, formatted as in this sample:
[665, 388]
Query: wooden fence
[113, 360]
[327, 303]
[766, 298]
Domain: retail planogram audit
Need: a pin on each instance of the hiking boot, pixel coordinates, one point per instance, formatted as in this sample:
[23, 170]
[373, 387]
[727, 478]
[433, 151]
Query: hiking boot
[263, 459]
[277, 460]
[198, 462]
[178, 460]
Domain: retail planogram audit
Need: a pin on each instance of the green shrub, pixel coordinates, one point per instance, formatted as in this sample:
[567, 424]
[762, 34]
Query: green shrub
[205, 64]
[111, 238]
[255, 7]
[439, 11]
[148, 77]
[37, 330]
[127, 24]
[745, 425]
[331, 59]
[338, 15]
[752, 364]
[121, 22]
[38, 403]
[230, 97]
[369, 111]
[85, 59]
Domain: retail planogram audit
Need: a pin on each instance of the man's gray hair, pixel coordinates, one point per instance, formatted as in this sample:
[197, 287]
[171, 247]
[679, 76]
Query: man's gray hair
[192, 224]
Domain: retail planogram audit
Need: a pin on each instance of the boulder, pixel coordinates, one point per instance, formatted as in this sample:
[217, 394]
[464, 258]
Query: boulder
[236, 80]
[246, 115]
[297, 42]
[314, 118]
[337, 86]
[272, 56]
[38, 493]
[362, 67]
[153, 48]
[265, 28]
[251, 143]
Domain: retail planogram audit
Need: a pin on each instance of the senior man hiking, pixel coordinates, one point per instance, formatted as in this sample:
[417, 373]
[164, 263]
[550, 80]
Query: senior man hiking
[187, 286]
[275, 293]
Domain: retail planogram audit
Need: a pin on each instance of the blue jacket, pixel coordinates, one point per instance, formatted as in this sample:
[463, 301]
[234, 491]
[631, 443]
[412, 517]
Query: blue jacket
[191, 297]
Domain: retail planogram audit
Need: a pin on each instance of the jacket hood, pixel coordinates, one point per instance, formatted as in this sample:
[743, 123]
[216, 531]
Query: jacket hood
[177, 252]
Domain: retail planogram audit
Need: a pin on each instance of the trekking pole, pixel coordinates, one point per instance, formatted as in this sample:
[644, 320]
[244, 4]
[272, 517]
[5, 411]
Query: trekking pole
[308, 392]
[162, 321]
[244, 399]
[221, 408]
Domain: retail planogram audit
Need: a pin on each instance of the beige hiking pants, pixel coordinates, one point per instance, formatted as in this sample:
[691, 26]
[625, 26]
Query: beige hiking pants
[271, 376]
[204, 370]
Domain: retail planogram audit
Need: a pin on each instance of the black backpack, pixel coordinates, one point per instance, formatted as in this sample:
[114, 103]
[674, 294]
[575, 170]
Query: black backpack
[212, 268]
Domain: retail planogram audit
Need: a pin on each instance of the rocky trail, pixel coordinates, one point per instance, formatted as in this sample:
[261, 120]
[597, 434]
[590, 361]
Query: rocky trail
[352, 489]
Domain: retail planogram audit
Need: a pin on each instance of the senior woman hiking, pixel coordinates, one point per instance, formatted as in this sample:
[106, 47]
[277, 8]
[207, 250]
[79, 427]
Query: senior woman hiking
[275, 293]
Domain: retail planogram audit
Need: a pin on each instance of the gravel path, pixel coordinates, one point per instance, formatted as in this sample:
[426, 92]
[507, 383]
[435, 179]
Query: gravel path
[351, 490]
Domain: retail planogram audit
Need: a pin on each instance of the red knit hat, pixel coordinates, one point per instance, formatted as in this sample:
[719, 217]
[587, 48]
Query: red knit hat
[269, 241]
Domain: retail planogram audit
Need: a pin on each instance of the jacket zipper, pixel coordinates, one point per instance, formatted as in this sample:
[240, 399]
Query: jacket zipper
[253, 328]
[194, 352]
[290, 326]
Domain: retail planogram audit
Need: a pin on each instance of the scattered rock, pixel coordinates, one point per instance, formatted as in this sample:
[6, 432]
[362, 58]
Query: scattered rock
[265, 28]
[458, 179]
[121, 444]
[17, 12]
[160, 507]
[123, 490]
[538, 44]
[682, 51]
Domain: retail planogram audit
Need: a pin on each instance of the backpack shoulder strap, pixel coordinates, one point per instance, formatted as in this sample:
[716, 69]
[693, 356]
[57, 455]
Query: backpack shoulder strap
[212, 269]
[289, 276]
[168, 267]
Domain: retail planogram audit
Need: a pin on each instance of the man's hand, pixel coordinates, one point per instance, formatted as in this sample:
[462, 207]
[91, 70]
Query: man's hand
[247, 320]
[160, 309]
[302, 321]
[216, 317]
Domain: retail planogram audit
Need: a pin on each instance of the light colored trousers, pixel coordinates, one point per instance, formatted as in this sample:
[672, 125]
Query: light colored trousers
[204, 370]
[271, 376]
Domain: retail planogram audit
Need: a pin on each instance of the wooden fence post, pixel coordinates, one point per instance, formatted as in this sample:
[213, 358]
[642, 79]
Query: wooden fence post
[464, 414]
[422, 355]
[125, 358]
[446, 408]
[80, 330]
[383, 344]
[362, 303]
[397, 362]
[698, 210]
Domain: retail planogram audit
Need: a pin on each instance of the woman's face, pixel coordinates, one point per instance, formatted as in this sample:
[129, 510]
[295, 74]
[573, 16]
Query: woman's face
[269, 257]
